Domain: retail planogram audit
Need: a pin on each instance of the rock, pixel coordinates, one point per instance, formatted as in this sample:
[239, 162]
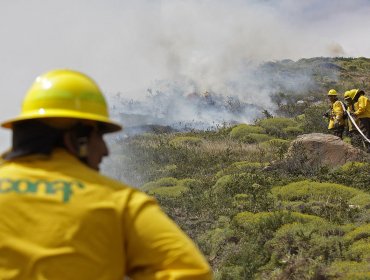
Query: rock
[325, 149]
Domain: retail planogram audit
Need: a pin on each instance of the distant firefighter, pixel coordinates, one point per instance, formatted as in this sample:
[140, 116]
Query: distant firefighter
[356, 138]
[362, 112]
[335, 114]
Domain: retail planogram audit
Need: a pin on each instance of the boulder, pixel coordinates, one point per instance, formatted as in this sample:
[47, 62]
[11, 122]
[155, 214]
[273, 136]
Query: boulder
[325, 149]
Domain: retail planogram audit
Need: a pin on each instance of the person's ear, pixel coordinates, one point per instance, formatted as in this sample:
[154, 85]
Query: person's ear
[76, 146]
[69, 143]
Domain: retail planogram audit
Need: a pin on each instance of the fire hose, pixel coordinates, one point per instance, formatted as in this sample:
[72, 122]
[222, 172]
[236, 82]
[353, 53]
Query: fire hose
[358, 129]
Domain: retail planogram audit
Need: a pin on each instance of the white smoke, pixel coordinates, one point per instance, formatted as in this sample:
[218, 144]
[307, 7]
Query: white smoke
[129, 45]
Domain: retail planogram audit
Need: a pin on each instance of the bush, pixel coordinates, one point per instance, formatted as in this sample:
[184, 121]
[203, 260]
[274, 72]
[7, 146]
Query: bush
[293, 267]
[359, 250]
[174, 191]
[189, 141]
[189, 183]
[292, 131]
[331, 201]
[168, 187]
[275, 220]
[255, 186]
[348, 270]
[276, 126]
[212, 241]
[361, 232]
[310, 190]
[313, 120]
[230, 273]
[248, 134]
[300, 250]
[278, 147]
[240, 167]
[258, 229]
[256, 138]
[162, 182]
[167, 182]
[315, 239]
[354, 174]
[241, 130]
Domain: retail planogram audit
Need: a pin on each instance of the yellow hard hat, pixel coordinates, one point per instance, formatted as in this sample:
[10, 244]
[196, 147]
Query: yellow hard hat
[332, 92]
[350, 94]
[65, 94]
[357, 92]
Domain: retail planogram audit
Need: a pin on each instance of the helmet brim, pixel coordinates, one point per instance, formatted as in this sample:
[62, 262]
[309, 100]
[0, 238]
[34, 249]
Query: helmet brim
[108, 125]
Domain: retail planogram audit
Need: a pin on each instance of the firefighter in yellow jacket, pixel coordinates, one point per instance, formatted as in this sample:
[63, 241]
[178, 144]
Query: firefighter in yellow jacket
[61, 219]
[335, 114]
[362, 112]
[356, 138]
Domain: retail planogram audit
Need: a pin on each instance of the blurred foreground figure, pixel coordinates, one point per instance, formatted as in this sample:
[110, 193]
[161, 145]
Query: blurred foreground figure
[61, 219]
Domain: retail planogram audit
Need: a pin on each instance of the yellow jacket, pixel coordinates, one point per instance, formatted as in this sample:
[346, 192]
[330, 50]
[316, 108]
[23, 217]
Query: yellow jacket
[60, 219]
[362, 107]
[336, 115]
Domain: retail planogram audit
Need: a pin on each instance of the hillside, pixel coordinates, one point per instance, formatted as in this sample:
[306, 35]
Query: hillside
[296, 221]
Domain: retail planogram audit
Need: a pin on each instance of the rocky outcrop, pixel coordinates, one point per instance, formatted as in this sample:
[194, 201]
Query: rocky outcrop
[325, 149]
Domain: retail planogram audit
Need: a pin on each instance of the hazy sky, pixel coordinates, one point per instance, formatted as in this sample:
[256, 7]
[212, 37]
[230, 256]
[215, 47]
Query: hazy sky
[128, 45]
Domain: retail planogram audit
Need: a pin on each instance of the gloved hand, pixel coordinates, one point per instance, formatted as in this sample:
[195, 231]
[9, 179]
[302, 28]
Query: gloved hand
[326, 114]
[351, 114]
[336, 123]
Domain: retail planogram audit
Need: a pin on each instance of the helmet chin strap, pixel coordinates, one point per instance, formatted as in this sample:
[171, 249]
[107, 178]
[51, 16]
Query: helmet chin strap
[82, 149]
[78, 145]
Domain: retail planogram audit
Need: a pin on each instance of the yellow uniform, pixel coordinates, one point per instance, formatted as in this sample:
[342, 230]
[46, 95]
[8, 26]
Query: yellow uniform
[63, 220]
[336, 116]
[362, 112]
[362, 107]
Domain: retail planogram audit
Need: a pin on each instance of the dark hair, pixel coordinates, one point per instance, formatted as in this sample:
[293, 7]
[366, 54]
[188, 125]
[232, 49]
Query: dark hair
[36, 137]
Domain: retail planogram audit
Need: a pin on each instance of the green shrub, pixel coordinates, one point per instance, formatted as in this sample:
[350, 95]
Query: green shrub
[334, 202]
[276, 126]
[186, 141]
[300, 250]
[313, 120]
[248, 134]
[189, 183]
[309, 190]
[293, 267]
[163, 182]
[361, 232]
[148, 186]
[314, 240]
[276, 143]
[233, 272]
[256, 186]
[359, 250]
[240, 167]
[256, 138]
[169, 182]
[278, 147]
[170, 187]
[174, 191]
[353, 166]
[348, 270]
[241, 130]
[212, 241]
[293, 130]
[248, 220]
[166, 182]
[354, 174]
